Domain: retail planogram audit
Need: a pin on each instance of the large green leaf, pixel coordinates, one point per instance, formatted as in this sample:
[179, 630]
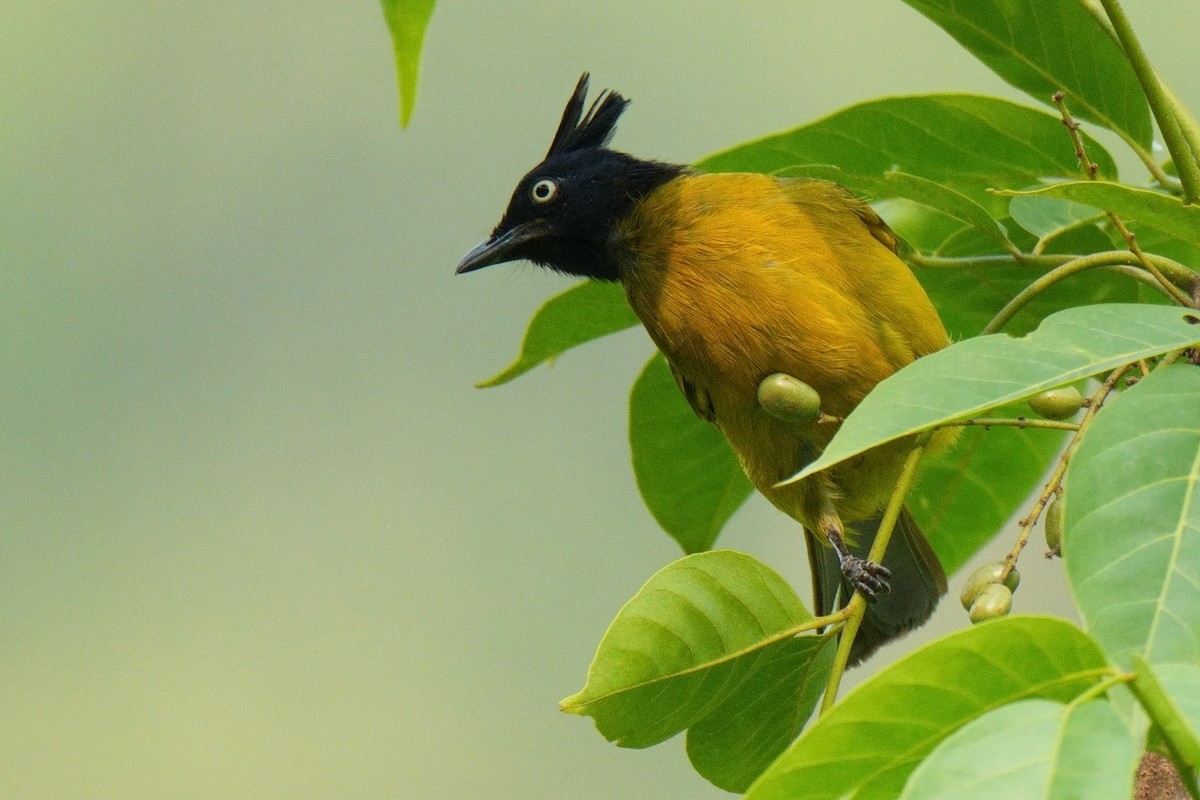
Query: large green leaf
[1032, 749]
[1132, 520]
[1046, 217]
[1044, 46]
[969, 296]
[871, 741]
[967, 143]
[1135, 206]
[584, 312]
[735, 743]
[702, 641]
[963, 497]
[688, 476]
[912, 187]
[406, 21]
[972, 376]
[1180, 684]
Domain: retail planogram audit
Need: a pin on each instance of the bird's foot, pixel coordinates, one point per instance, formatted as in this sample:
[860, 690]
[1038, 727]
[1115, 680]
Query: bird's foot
[867, 577]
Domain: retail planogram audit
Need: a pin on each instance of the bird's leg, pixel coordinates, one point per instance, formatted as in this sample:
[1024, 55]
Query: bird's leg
[866, 576]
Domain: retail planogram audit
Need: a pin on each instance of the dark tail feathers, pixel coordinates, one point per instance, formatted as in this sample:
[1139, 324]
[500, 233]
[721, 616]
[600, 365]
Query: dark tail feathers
[918, 582]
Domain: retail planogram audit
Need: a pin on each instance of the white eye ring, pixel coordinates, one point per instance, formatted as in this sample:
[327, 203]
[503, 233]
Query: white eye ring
[543, 191]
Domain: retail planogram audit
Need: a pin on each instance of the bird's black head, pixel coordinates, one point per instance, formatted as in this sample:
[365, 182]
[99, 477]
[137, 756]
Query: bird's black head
[564, 212]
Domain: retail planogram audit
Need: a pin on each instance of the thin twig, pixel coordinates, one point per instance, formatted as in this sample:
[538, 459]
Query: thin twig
[1187, 123]
[1116, 260]
[1052, 485]
[857, 606]
[1173, 134]
[1089, 171]
[1018, 422]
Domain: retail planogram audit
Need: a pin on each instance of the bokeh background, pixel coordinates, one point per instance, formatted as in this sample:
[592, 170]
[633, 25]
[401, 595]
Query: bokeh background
[259, 536]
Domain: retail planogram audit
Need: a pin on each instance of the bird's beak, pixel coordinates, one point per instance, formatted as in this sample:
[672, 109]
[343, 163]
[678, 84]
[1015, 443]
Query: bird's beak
[501, 247]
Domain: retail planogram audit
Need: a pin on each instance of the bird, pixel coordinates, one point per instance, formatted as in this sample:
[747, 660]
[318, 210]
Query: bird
[737, 277]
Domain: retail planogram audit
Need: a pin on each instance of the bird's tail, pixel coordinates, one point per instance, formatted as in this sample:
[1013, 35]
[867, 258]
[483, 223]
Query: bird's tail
[917, 582]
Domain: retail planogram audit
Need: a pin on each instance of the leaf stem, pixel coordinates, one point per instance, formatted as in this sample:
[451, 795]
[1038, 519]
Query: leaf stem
[857, 606]
[1089, 170]
[990, 260]
[1183, 745]
[1161, 106]
[1114, 678]
[1017, 422]
[1060, 469]
[1110, 259]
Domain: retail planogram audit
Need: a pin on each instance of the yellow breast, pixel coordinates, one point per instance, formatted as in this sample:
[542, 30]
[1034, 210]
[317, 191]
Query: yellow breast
[737, 276]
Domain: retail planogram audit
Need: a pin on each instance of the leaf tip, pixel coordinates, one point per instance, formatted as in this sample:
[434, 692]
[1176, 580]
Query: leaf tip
[572, 705]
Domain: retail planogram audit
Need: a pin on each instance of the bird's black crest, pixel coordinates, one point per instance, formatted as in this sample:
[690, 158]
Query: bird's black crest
[578, 130]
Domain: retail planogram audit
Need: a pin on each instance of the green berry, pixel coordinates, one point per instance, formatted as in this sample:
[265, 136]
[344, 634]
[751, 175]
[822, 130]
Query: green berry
[789, 399]
[994, 601]
[984, 576]
[1052, 526]
[1057, 404]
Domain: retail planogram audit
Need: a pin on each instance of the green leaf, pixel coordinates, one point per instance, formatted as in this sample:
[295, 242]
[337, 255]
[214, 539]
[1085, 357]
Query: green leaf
[871, 741]
[971, 376]
[963, 497]
[1046, 217]
[912, 187]
[584, 312]
[689, 478]
[969, 296]
[1180, 683]
[1174, 724]
[1032, 749]
[1132, 520]
[706, 638]
[1135, 206]
[735, 743]
[967, 143]
[1043, 46]
[407, 20]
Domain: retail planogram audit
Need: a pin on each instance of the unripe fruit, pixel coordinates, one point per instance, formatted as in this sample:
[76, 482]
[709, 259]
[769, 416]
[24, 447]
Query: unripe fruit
[789, 399]
[994, 601]
[1057, 404]
[984, 576]
[1052, 526]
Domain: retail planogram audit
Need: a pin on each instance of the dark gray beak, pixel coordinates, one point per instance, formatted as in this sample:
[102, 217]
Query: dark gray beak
[501, 247]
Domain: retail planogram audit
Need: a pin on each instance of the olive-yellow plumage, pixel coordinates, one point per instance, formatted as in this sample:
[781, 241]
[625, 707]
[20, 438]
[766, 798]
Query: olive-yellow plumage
[738, 277]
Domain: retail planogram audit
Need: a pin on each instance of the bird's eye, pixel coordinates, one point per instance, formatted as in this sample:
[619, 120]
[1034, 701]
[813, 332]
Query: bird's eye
[543, 190]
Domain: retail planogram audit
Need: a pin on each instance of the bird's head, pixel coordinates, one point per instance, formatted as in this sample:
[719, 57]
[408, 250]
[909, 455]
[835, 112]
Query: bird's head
[564, 212]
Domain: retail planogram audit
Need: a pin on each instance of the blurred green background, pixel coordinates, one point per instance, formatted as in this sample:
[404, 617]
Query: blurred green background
[259, 536]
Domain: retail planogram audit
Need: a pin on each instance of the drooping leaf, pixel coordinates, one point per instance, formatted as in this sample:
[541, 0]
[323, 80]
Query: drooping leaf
[406, 21]
[1032, 749]
[1044, 46]
[1170, 713]
[1131, 542]
[963, 497]
[872, 740]
[689, 478]
[1180, 683]
[972, 376]
[969, 296]
[704, 639]
[735, 743]
[584, 312]
[967, 143]
[912, 187]
[1135, 206]
[1046, 217]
